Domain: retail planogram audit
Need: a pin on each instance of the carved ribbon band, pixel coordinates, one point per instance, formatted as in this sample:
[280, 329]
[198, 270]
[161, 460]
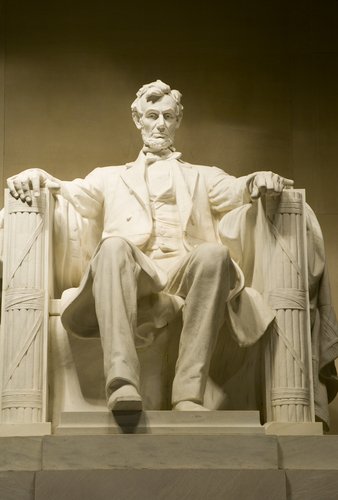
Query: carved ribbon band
[287, 298]
[24, 298]
[20, 399]
[289, 207]
[17, 206]
[290, 395]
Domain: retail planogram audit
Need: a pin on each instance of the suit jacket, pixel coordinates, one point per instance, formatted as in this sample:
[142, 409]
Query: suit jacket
[119, 197]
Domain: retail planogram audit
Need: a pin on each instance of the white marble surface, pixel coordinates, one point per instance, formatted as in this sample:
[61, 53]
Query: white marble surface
[160, 422]
[169, 467]
[23, 429]
[24, 324]
[161, 485]
[17, 485]
[159, 213]
[159, 452]
[308, 452]
[312, 484]
[20, 454]
[294, 428]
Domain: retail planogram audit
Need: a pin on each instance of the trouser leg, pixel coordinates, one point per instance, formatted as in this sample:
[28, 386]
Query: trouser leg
[206, 279]
[115, 275]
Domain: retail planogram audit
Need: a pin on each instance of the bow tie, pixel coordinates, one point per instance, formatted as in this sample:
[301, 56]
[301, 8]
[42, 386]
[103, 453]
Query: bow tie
[166, 154]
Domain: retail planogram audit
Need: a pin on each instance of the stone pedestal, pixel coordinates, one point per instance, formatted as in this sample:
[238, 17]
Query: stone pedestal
[160, 422]
[255, 467]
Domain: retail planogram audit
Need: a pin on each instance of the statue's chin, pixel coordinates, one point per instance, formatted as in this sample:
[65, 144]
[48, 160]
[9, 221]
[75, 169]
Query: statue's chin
[157, 146]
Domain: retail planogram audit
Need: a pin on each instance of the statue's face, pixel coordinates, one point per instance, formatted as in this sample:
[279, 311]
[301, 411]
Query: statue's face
[158, 123]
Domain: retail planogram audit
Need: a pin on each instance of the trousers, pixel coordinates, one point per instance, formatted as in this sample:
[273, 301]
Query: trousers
[203, 278]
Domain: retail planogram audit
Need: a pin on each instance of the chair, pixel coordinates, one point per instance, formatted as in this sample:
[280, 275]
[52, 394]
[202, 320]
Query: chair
[49, 376]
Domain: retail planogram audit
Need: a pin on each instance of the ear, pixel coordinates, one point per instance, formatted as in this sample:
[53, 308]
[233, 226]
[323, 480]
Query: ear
[137, 120]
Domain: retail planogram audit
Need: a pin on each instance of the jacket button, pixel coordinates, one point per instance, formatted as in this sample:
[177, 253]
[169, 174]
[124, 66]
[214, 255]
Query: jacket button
[131, 191]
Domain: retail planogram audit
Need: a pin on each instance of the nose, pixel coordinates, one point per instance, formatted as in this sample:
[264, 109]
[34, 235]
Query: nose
[160, 122]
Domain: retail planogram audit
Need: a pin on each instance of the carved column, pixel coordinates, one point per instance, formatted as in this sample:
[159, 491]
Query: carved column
[288, 360]
[24, 325]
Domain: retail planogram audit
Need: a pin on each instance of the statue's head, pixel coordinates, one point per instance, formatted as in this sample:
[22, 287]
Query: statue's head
[157, 111]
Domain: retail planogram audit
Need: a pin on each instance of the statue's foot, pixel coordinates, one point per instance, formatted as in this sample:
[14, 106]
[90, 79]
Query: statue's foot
[126, 398]
[189, 406]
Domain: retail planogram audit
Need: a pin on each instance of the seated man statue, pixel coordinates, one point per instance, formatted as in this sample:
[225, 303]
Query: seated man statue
[160, 238]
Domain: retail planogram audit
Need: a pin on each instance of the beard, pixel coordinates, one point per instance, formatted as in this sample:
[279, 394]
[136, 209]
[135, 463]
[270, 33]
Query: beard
[157, 145]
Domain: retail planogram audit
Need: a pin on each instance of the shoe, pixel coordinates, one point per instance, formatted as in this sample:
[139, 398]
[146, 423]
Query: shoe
[189, 406]
[126, 398]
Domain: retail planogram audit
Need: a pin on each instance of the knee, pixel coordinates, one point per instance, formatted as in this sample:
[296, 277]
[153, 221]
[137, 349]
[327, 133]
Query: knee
[212, 254]
[212, 257]
[114, 248]
[115, 245]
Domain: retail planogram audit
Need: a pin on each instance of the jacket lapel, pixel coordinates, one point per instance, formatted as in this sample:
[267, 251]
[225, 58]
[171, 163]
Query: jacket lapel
[134, 178]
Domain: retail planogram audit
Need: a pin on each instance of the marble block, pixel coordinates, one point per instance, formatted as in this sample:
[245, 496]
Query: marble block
[24, 429]
[159, 452]
[312, 484]
[308, 452]
[294, 428]
[101, 421]
[161, 485]
[20, 453]
[17, 485]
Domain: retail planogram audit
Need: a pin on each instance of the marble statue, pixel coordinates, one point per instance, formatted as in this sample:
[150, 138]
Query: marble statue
[162, 249]
[160, 235]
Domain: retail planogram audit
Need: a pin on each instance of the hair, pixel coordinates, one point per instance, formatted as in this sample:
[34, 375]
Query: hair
[153, 92]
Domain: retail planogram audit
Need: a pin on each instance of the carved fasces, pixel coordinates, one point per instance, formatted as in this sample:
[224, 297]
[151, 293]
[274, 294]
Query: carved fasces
[25, 311]
[288, 361]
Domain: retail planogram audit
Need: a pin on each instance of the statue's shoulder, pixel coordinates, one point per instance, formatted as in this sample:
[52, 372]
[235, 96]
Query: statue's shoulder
[108, 171]
[205, 170]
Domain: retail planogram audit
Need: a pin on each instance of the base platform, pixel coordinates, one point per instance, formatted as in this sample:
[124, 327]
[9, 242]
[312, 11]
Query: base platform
[178, 422]
[160, 422]
[168, 467]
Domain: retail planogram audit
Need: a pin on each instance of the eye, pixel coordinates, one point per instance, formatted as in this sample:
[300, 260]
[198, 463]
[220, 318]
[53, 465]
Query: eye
[152, 116]
[168, 116]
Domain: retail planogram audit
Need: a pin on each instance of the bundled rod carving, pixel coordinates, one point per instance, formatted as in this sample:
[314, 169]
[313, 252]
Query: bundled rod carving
[288, 354]
[25, 311]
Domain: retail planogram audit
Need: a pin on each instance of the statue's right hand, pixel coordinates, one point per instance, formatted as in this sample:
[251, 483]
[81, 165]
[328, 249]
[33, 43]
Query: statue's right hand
[22, 185]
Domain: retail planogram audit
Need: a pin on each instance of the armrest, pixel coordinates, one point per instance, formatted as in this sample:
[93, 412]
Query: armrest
[268, 240]
[283, 272]
[24, 329]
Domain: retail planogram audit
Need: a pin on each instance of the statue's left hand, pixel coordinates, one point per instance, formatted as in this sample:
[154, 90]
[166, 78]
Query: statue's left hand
[268, 183]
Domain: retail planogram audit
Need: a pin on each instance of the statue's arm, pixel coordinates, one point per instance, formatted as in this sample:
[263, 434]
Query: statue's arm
[86, 195]
[227, 192]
